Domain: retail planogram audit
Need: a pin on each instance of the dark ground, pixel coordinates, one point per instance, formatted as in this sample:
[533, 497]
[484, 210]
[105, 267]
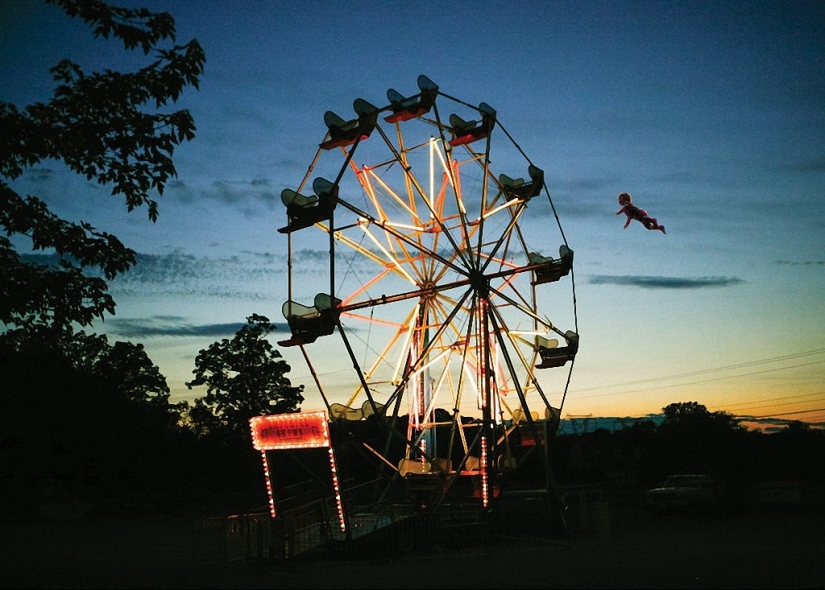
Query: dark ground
[776, 549]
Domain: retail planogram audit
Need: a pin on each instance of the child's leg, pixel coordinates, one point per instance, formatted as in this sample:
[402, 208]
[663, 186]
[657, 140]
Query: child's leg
[654, 224]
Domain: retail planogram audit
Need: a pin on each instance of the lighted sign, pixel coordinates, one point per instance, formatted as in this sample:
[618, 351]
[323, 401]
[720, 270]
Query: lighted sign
[304, 430]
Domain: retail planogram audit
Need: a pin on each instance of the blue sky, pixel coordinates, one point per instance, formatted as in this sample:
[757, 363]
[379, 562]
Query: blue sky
[712, 115]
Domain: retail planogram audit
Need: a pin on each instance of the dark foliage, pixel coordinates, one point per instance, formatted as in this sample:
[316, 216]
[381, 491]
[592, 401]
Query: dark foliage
[108, 127]
[244, 377]
[81, 419]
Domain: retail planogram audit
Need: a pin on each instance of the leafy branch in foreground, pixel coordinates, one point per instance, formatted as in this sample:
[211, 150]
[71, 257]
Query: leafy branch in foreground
[108, 127]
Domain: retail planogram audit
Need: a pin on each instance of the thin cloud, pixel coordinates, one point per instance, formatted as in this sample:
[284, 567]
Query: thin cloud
[180, 273]
[174, 326]
[770, 424]
[37, 175]
[817, 165]
[248, 197]
[798, 263]
[156, 326]
[651, 282]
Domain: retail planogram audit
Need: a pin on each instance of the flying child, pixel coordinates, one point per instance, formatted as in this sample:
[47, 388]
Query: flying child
[633, 212]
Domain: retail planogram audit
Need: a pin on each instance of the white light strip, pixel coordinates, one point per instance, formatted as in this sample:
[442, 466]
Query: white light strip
[444, 164]
[500, 207]
[432, 178]
[429, 364]
[471, 379]
[444, 375]
[392, 194]
[389, 256]
[403, 226]
[405, 347]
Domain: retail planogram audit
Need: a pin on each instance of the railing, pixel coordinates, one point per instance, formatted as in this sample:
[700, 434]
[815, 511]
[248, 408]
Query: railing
[313, 531]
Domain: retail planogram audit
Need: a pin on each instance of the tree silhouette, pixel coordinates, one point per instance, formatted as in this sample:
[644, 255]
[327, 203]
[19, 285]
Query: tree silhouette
[109, 127]
[244, 378]
[695, 440]
[81, 420]
[692, 413]
[75, 409]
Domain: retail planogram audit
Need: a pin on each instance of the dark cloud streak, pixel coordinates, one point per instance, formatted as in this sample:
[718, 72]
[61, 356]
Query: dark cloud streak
[652, 282]
[171, 326]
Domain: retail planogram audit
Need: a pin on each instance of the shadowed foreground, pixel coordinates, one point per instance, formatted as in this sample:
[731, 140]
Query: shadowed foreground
[760, 550]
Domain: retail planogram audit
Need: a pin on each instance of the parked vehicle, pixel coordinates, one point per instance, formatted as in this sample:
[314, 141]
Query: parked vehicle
[688, 493]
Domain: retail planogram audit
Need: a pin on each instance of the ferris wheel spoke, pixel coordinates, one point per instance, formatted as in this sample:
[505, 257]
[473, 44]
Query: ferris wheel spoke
[391, 229]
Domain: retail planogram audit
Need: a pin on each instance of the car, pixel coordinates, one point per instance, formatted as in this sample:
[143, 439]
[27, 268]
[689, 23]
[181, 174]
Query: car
[687, 493]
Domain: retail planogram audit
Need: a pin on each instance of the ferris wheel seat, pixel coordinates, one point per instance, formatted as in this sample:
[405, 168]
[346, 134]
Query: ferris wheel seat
[552, 355]
[542, 342]
[407, 112]
[443, 465]
[469, 131]
[472, 464]
[554, 358]
[406, 108]
[308, 323]
[413, 466]
[293, 199]
[292, 342]
[292, 309]
[426, 85]
[517, 188]
[342, 141]
[342, 412]
[303, 211]
[548, 270]
[519, 415]
[323, 302]
[368, 410]
[510, 183]
[343, 133]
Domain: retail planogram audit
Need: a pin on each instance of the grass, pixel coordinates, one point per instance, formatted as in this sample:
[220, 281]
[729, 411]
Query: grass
[778, 549]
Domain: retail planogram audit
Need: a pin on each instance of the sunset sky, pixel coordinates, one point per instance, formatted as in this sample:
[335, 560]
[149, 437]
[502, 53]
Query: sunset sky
[711, 114]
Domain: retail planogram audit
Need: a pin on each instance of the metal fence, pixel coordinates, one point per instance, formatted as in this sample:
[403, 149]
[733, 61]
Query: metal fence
[233, 538]
[375, 532]
[370, 532]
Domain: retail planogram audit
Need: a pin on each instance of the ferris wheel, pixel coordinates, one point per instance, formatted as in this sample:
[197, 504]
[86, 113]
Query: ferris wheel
[449, 283]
